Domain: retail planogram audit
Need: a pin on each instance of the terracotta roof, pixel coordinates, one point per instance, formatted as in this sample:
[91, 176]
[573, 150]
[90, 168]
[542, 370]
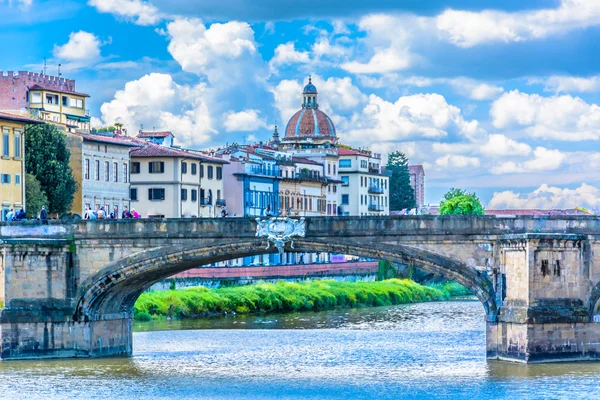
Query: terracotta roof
[309, 122]
[416, 169]
[155, 150]
[535, 212]
[303, 160]
[348, 152]
[51, 88]
[118, 140]
[19, 118]
[154, 134]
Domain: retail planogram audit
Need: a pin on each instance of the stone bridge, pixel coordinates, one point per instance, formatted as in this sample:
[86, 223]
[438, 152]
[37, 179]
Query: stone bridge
[67, 290]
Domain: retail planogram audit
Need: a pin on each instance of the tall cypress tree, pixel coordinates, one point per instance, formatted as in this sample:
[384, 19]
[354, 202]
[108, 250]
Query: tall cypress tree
[47, 159]
[402, 194]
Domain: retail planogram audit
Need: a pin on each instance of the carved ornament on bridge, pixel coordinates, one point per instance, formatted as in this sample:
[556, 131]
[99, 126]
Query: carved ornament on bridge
[280, 231]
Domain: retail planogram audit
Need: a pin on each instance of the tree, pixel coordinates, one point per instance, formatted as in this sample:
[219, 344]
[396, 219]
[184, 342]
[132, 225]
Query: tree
[460, 202]
[34, 196]
[47, 159]
[402, 195]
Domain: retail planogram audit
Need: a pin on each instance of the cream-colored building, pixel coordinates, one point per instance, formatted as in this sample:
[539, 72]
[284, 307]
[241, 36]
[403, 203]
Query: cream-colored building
[12, 162]
[167, 182]
[364, 189]
[62, 107]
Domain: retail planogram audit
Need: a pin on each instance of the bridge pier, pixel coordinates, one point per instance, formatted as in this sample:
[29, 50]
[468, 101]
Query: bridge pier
[545, 315]
[38, 337]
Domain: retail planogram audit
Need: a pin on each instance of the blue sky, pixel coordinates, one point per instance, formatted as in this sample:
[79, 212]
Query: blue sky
[500, 98]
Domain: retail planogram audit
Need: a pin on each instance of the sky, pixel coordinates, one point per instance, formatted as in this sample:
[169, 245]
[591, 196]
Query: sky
[498, 98]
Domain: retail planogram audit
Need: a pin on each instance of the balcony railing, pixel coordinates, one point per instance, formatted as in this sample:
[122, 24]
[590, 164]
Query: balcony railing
[259, 170]
[376, 190]
[375, 207]
[373, 170]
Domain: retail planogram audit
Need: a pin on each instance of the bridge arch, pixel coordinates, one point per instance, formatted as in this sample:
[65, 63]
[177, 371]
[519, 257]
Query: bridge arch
[112, 292]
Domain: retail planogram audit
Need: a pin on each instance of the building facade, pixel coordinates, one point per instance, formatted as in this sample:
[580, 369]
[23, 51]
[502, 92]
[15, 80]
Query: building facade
[51, 99]
[417, 181]
[12, 162]
[364, 189]
[101, 167]
[171, 183]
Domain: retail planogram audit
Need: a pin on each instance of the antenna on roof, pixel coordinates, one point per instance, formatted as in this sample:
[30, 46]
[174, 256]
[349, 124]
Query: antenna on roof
[45, 66]
[59, 65]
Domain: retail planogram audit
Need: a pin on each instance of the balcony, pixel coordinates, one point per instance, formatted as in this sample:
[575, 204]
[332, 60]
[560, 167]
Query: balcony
[206, 201]
[373, 170]
[376, 190]
[375, 207]
[260, 170]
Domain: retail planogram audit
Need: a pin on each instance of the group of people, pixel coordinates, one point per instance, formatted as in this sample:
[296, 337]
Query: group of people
[101, 213]
[13, 215]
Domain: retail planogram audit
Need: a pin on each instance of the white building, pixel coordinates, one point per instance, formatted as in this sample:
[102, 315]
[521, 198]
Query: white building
[170, 183]
[104, 172]
[364, 189]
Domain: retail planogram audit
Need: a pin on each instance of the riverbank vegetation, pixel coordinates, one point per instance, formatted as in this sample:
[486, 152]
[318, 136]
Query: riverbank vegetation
[288, 297]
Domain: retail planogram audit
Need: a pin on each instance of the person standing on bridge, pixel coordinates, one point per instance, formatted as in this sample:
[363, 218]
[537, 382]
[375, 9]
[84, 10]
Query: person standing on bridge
[44, 215]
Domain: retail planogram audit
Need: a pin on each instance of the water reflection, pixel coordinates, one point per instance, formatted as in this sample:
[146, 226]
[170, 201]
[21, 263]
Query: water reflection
[433, 350]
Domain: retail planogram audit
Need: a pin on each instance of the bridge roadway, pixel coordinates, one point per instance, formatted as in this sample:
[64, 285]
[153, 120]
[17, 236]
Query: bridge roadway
[68, 289]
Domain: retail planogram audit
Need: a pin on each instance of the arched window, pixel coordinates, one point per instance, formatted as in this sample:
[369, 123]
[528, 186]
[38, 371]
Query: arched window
[209, 196]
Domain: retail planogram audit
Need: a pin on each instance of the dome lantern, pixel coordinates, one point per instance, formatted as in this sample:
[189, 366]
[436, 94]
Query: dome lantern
[309, 95]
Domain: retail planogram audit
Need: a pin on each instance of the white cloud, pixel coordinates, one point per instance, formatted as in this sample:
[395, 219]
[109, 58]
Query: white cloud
[389, 38]
[467, 29]
[548, 197]
[243, 121]
[475, 90]
[288, 99]
[156, 101]
[500, 145]
[544, 160]
[423, 116]
[557, 117]
[457, 161]
[82, 47]
[286, 54]
[196, 48]
[140, 12]
[569, 84]
[118, 65]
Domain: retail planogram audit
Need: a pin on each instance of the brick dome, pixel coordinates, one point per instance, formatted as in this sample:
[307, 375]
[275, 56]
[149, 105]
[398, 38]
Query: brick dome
[309, 121]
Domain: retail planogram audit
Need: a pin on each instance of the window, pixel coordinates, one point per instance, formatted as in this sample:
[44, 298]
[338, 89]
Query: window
[97, 170]
[363, 163]
[183, 194]
[194, 169]
[334, 188]
[5, 144]
[361, 200]
[52, 99]
[183, 167]
[133, 194]
[125, 176]
[201, 171]
[106, 171]
[345, 180]
[86, 168]
[17, 145]
[345, 199]
[219, 173]
[65, 101]
[218, 195]
[156, 194]
[194, 193]
[334, 169]
[156, 167]
[18, 182]
[76, 103]
[5, 178]
[35, 97]
[345, 163]
[135, 167]
[115, 172]
[545, 268]
[329, 168]
[557, 268]
[209, 171]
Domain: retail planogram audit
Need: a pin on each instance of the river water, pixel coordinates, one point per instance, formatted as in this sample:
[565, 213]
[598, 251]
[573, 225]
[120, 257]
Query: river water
[429, 350]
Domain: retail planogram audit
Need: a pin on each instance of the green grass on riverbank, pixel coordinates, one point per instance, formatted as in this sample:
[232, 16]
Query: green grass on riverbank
[288, 297]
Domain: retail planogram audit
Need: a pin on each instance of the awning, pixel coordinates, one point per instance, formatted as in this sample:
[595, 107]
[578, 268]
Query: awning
[78, 118]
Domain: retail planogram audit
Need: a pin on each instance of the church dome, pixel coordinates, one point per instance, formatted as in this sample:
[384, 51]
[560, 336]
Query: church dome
[309, 121]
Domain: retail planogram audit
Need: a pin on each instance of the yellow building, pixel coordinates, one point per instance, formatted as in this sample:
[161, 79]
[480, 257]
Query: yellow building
[60, 106]
[12, 161]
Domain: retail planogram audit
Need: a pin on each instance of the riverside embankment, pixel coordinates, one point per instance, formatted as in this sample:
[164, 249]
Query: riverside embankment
[288, 297]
